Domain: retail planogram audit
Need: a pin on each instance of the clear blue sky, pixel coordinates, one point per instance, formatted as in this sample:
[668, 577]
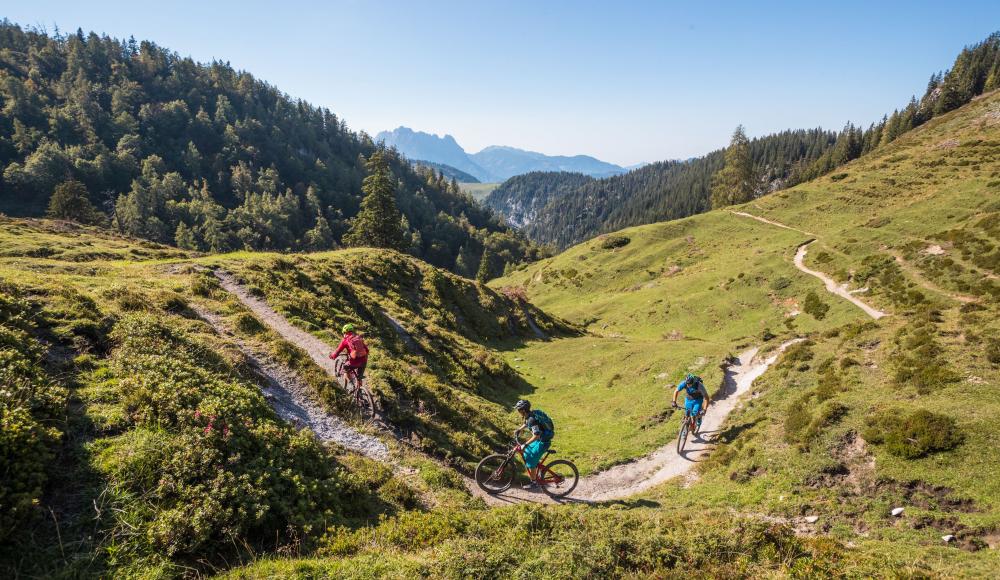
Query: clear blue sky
[624, 81]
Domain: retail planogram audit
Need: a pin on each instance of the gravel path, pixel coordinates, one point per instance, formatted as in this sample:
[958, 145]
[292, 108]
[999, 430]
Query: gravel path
[664, 464]
[291, 399]
[831, 285]
[618, 482]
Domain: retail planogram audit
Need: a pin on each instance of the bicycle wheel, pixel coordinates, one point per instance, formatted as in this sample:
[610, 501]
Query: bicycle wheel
[682, 435]
[364, 404]
[495, 473]
[559, 478]
[339, 375]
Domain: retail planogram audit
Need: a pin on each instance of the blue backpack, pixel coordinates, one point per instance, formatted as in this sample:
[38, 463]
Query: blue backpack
[548, 427]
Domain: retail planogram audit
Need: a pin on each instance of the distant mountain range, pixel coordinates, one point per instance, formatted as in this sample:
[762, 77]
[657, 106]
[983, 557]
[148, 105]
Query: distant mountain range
[494, 163]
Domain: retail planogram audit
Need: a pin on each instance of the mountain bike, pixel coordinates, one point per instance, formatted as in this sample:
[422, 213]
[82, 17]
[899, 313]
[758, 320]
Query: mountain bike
[364, 403]
[495, 473]
[689, 425]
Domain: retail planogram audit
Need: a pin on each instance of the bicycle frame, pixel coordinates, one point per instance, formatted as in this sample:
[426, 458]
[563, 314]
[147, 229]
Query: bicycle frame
[342, 368]
[541, 463]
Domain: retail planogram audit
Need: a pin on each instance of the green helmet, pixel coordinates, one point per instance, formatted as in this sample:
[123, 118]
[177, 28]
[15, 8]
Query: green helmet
[347, 328]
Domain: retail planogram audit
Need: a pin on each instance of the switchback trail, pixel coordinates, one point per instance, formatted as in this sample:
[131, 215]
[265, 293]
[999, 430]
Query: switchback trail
[830, 284]
[615, 483]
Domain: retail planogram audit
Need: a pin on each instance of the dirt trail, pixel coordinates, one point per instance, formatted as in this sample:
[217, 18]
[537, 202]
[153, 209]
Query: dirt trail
[771, 222]
[289, 396]
[664, 463]
[831, 285]
[920, 279]
[618, 482]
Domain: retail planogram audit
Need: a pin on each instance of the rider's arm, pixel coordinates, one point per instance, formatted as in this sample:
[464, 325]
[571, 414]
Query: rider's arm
[678, 389]
[340, 348]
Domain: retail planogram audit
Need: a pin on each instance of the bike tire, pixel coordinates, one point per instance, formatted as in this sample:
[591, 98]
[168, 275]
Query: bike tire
[495, 474]
[364, 404]
[339, 374]
[563, 469]
[682, 435]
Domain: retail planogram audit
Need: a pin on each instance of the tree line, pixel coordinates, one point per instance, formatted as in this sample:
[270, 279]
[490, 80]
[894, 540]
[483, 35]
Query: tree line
[130, 135]
[976, 71]
[563, 209]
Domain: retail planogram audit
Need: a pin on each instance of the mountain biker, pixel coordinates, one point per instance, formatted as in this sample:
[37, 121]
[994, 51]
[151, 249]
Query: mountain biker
[695, 395]
[357, 351]
[542, 432]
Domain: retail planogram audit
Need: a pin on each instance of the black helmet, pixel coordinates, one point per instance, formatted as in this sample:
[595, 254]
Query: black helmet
[522, 405]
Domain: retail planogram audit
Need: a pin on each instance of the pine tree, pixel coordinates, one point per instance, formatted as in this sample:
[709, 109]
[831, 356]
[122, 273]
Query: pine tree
[320, 237]
[464, 261]
[737, 181]
[184, 237]
[484, 273]
[378, 222]
[70, 201]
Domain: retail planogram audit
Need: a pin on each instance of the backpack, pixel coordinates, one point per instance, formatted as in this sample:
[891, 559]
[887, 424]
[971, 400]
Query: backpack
[548, 427]
[356, 347]
[693, 387]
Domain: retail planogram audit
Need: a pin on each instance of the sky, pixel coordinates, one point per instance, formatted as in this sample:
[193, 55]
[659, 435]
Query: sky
[624, 81]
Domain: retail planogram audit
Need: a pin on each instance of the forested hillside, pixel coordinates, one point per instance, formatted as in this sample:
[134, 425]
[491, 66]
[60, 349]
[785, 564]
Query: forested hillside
[565, 210]
[521, 198]
[671, 190]
[204, 156]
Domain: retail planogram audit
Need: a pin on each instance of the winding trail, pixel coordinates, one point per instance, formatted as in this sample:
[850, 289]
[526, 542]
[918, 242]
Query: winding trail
[615, 483]
[289, 396]
[665, 463]
[830, 284]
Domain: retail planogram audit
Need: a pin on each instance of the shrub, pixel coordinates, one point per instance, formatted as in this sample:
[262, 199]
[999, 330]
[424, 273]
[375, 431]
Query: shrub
[814, 306]
[918, 434]
[612, 241]
[204, 464]
[797, 418]
[780, 283]
[838, 176]
[30, 408]
[248, 324]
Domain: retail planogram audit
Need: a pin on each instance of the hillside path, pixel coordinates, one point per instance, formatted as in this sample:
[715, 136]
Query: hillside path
[290, 398]
[830, 284]
[614, 483]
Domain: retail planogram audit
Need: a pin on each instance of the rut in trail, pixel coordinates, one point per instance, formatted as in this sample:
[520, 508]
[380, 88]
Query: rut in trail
[290, 398]
[830, 284]
[615, 483]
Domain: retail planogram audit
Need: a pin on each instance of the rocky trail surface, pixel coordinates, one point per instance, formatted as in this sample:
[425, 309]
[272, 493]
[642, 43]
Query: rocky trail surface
[290, 398]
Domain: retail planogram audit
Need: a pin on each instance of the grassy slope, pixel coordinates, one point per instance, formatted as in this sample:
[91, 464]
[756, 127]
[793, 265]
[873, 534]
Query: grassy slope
[478, 191]
[936, 186]
[93, 293]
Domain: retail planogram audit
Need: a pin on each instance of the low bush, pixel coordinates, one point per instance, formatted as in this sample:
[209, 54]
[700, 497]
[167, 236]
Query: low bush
[31, 411]
[915, 435]
[203, 464]
[814, 306]
[780, 283]
[612, 241]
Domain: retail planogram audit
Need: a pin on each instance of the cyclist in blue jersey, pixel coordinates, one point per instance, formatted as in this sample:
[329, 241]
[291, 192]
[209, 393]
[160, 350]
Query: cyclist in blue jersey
[696, 395]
